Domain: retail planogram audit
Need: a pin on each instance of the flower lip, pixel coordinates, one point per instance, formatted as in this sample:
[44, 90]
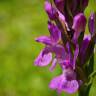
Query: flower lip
[64, 83]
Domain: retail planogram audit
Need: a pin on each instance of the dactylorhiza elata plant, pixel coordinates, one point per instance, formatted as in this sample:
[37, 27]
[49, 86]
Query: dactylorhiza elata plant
[73, 50]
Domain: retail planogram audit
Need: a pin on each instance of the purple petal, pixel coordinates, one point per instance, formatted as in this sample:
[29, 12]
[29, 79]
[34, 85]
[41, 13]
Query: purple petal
[60, 5]
[61, 83]
[54, 62]
[79, 24]
[84, 47]
[43, 59]
[54, 32]
[62, 18]
[92, 23]
[62, 56]
[52, 13]
[71, 86]
[44, 39]
[59, 51]
[76, 52]
[69, 73]
[56, 82]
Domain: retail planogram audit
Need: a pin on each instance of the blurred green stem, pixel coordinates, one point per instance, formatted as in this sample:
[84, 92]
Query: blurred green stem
[84, 90]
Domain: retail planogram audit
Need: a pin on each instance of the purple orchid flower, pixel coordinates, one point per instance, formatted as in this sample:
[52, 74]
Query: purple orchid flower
[50, 41]
[65, 82]
[71, 49]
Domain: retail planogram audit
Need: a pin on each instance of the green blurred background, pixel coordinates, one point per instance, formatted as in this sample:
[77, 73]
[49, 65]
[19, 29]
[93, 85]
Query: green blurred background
[21, 21]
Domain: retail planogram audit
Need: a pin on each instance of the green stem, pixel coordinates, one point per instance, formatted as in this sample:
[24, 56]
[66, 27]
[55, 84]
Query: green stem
[84, 90]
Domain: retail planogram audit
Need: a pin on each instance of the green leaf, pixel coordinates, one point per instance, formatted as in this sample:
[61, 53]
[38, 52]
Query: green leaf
[91, 65]
[84, 90]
